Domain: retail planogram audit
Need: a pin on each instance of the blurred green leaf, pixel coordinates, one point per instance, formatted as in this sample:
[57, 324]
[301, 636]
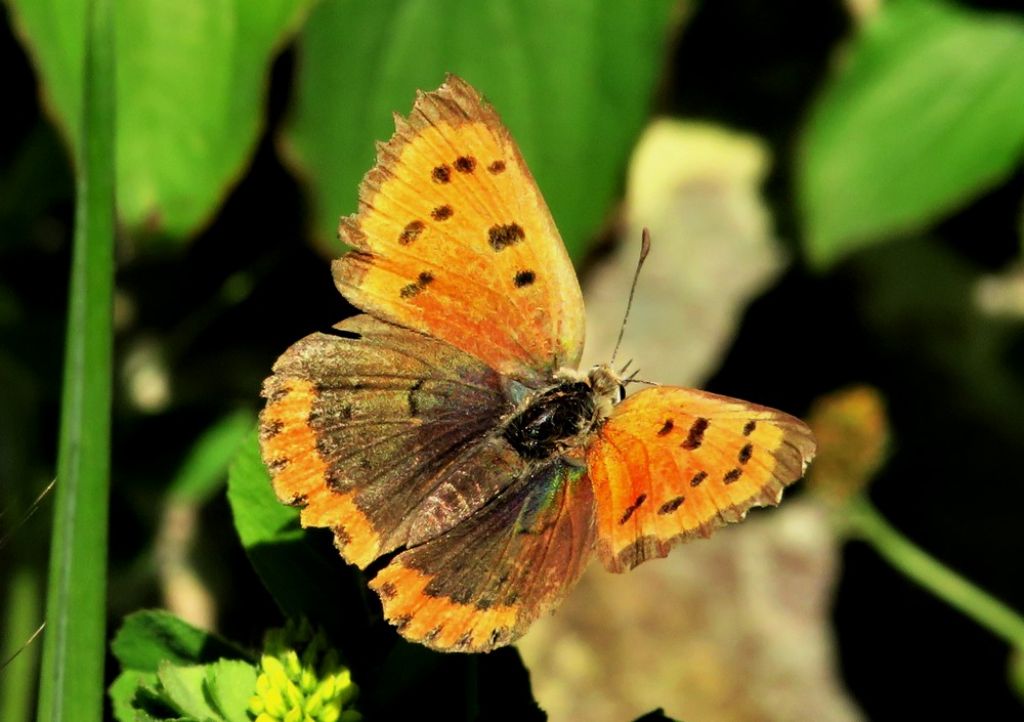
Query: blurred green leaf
[573, 79]
[205, 467]
[185, 689]
[147, 641]
[925, 113]
[259, 517]
[230, 683]
[304, 578]
[147, 638]
[215, 692]
[191, 81]
[122, 692]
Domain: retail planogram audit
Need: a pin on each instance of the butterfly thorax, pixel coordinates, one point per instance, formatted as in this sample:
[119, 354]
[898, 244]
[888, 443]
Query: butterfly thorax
[562, 417]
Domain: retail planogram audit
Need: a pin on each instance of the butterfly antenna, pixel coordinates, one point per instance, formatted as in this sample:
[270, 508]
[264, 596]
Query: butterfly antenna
[632, 379]
[645, 248]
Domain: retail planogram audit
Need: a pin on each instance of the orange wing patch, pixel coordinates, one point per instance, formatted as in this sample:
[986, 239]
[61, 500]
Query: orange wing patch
[299, 474]
[440, 622]
[675, 463]
[453, 239]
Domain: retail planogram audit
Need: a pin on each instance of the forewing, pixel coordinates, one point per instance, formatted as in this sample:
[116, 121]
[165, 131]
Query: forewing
[481, 584]
[674, 463]
[383, 435]
[453, 239]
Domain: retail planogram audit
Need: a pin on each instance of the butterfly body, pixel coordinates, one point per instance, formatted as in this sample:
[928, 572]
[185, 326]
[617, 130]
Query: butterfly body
[560, 419]
[448, 427]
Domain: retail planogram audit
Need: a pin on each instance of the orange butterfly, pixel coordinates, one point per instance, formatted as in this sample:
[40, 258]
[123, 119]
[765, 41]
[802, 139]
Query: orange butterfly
[449, 423]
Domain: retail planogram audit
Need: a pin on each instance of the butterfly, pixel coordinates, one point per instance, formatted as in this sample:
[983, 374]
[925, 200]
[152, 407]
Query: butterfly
[447, 428]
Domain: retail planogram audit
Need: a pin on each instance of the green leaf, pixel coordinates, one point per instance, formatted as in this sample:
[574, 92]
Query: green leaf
[259, 517]
[148, 638]
[122, 693]
[191, 83]
[185, 690]
[71, 677]
[573, 79]
[925, 114]
[230, 683]
[301, 571]
[205, 467]
[150, 702]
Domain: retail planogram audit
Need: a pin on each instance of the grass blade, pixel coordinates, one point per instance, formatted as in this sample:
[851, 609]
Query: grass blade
[74, 647]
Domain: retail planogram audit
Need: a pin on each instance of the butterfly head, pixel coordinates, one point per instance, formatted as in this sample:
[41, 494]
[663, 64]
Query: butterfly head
[607, 388]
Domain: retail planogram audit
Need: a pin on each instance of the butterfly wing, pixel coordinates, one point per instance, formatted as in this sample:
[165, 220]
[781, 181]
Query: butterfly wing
[383, 435]
[479, 585]
[453, 239]
[674, 463]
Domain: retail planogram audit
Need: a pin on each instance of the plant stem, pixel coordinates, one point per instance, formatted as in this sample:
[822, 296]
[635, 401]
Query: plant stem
[75, 637]
[21, 618]
[866, 523]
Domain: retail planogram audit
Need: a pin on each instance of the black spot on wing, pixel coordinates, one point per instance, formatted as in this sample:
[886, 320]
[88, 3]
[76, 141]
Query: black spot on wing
[503, 236]
[442, 213]
[666, 427]
[671, 505]
[271, 429]
[422, 281]
[341, 537]
[465, 164]
[524, 278]
[441, 174]
[632, 508]
[496, 636]
[411, 232]
[733, 475]
[695, 437]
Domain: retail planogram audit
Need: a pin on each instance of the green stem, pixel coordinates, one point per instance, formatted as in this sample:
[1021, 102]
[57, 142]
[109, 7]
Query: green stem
[865, 522]
[21, 619]
[71, 686]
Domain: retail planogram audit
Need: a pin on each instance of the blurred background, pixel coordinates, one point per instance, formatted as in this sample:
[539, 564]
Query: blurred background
[834, 191]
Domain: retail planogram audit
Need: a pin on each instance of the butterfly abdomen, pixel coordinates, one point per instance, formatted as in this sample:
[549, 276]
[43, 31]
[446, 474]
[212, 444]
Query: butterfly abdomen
[552, 420]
